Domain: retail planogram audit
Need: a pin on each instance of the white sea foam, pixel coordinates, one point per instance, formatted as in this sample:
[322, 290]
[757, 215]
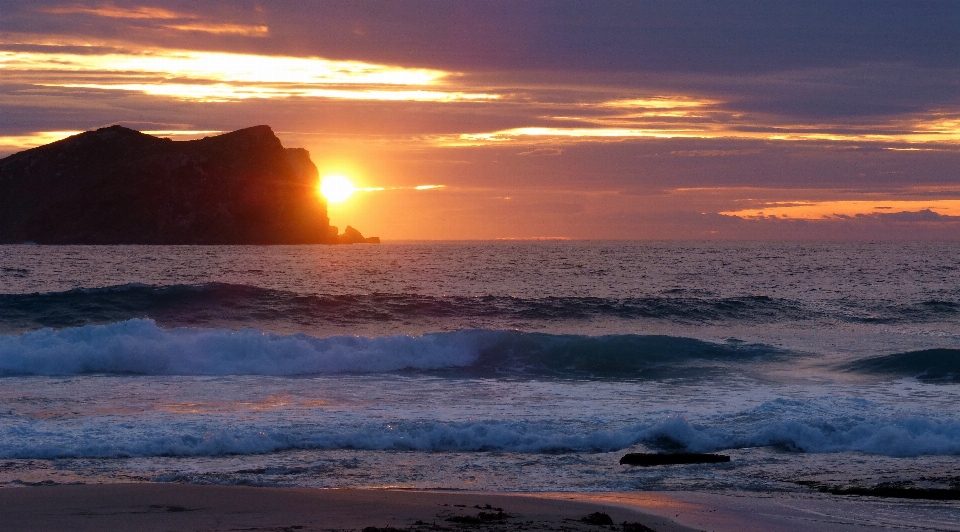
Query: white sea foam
[139, 346]
[159, 436]
[909, 436]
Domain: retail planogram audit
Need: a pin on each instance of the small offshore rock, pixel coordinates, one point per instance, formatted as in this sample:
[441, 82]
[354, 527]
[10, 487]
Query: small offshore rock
[352, 236]
[655, 459]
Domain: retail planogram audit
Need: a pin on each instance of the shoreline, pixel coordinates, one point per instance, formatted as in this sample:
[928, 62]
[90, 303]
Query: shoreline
[186, 507]
[159, 507]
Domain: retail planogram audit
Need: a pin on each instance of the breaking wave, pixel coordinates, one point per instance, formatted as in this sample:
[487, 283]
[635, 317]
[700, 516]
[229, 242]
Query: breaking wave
[141, 347]
[928, 365]
[779, 426]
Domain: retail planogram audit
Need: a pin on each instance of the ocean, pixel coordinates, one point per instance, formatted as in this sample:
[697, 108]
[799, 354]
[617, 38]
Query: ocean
[512, 366]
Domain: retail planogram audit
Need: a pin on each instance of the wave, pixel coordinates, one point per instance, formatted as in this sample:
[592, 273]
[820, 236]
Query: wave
[231, 303]
[222, 304]
[141, 347]
[927, 365]
[153, 435]
[902, 436]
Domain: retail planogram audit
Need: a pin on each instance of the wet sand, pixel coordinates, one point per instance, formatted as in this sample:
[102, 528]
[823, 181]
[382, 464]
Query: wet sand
[180, 507]
[183, 507]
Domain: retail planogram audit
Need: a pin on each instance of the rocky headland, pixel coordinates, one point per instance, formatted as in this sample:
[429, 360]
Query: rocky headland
[115, 185]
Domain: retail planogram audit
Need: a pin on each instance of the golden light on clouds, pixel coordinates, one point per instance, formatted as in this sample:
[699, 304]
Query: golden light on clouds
[512, 134]
[660, 102]
[219, 66]
[222, 29]
[15, 143]
[223, 92]
[141, 13]
[820, 210]
[220, 76]
[109, 10]
[678, 116]
[11, 143]
[920, 130]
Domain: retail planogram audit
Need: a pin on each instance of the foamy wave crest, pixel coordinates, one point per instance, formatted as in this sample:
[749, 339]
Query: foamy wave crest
[141, 347]
[161, 438]
[153, 435]
[795, 426]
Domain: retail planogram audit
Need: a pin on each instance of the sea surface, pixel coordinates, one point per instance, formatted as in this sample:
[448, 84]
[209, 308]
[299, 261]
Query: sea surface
[519, 366]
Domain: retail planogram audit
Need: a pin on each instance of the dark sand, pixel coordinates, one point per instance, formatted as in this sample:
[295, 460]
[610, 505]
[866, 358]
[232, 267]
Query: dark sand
[184, 507]
[179, 507]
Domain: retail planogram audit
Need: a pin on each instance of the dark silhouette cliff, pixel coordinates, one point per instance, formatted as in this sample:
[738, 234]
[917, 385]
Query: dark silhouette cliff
[119, 186]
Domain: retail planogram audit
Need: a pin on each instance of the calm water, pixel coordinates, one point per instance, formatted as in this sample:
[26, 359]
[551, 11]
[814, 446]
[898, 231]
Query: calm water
[491, 366]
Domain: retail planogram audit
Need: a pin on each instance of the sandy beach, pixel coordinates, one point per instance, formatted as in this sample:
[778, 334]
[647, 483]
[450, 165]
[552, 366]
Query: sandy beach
[164, 507]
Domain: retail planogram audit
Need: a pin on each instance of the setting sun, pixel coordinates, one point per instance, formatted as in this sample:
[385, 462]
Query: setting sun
[336, 188]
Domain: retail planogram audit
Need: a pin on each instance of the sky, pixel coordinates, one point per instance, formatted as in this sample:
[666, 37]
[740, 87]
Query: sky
[533, 119]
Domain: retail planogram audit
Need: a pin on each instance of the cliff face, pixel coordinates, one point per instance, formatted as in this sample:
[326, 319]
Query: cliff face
[119, 186]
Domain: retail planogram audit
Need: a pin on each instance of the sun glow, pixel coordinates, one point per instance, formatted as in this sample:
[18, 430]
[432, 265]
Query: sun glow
[336, 188]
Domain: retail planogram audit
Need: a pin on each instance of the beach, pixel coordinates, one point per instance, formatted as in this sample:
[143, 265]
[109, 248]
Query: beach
[263, 388]
[479, 266]
[162, 507]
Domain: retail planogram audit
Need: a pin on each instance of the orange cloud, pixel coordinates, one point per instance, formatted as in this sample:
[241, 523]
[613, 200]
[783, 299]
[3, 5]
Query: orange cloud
[214, 66]
[15, 143]
[660, 102]
[825, 210]
[222, 29]
[222, 92]
[939, 128]
[221, 76]
[109, 10]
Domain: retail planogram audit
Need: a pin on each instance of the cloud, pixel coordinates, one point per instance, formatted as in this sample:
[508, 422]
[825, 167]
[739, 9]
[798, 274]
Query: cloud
[935, 127]
[223, 92]
[147, 13]
[221, 76]
[222, 29]
[913, 226]
[846, 209]
[215, 66]
[660, 102]
[540, 152]
[14, 143]
[714, 153]
[922, 216]
[110, 10]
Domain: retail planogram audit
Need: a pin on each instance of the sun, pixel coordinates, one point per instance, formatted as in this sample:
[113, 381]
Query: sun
[336, 188]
